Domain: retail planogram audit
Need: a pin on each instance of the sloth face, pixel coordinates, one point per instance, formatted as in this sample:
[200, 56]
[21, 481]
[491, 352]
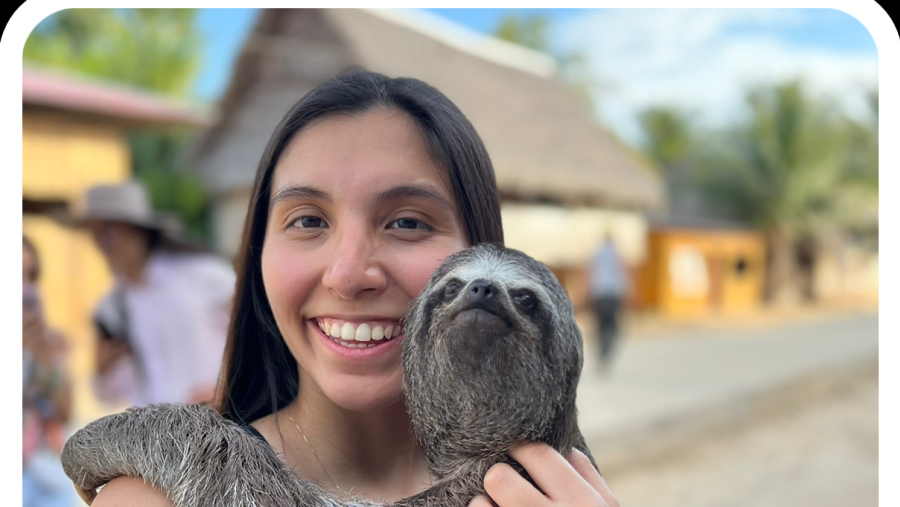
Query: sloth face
[491, 344]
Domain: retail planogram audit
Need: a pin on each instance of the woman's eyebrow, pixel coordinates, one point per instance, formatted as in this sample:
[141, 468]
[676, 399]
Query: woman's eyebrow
[427, 192]
[294, 191]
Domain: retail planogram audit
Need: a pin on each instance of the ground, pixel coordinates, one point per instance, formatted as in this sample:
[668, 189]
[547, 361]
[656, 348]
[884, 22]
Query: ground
[821, 451]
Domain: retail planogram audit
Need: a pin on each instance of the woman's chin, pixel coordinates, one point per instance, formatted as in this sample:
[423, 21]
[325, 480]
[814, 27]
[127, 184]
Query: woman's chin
[365, 395]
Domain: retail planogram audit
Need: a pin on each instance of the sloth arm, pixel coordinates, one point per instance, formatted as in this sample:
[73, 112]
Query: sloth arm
[130, 491]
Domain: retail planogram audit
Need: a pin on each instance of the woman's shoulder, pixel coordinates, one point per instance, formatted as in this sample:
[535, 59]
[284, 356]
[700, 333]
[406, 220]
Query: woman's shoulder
[131, 491]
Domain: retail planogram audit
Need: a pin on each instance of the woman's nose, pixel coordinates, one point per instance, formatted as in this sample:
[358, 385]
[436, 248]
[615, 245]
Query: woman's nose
[355, 270]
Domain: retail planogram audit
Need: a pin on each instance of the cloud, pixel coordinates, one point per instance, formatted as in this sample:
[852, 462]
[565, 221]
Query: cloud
[704, 60]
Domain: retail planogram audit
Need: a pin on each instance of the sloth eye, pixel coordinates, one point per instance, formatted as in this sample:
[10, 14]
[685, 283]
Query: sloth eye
[524, 299]
[451, 290]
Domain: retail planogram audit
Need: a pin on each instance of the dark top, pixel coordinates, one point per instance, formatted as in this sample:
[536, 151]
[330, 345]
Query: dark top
[253, 431]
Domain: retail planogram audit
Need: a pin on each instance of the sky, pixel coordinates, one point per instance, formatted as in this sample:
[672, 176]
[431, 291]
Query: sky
[701, 60]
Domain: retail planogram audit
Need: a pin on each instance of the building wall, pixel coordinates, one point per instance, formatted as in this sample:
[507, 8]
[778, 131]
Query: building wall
[62, 156]
[691, 273]
[845, 272]
[565, 238]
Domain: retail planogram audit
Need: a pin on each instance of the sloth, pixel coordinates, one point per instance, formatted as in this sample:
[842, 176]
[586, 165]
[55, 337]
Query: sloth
[491, 358]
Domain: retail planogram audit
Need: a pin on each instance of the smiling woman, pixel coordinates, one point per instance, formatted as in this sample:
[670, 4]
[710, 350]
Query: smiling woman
[361, 218]
[366, 187]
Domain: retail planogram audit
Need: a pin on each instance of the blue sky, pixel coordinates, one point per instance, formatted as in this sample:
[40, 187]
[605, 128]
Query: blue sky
[702, 60]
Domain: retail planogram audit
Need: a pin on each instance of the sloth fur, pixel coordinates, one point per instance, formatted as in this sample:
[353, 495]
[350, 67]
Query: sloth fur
[491, 358]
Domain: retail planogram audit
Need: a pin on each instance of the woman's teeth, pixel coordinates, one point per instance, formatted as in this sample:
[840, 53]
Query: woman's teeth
[357, 335]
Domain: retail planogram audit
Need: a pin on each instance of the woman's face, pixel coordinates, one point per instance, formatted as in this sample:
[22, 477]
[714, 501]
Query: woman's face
[360, 217]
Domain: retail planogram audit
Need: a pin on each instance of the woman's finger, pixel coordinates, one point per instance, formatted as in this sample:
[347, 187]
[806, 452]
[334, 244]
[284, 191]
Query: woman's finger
[551, 472]
[582, 464]
[509, 489]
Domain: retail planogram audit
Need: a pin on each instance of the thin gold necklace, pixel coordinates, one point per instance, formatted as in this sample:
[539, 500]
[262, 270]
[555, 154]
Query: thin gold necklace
[313, 449]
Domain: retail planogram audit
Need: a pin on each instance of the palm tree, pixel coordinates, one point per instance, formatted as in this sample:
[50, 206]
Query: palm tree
[784, 170]
[671, 140]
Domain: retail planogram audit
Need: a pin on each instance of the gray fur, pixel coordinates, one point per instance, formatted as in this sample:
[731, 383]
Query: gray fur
[193, 454]
[478, 378]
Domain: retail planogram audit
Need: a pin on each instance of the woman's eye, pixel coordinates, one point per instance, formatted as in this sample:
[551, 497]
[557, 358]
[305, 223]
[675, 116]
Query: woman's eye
[408, 223]
[309, 223]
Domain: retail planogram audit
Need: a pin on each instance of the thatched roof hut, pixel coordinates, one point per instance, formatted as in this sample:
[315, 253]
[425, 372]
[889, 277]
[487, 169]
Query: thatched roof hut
[544, 145]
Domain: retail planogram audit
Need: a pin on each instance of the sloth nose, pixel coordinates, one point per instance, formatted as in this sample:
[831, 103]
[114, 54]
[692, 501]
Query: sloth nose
[481, 291]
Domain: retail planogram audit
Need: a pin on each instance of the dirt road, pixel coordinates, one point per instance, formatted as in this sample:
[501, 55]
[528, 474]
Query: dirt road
[817, 447]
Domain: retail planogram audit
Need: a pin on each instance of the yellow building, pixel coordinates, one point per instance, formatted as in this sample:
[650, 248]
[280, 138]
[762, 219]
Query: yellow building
[695, 268]
[74, 136]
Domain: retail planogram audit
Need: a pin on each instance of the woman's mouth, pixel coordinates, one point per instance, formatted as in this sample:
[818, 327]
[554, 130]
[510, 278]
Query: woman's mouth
[359, 335]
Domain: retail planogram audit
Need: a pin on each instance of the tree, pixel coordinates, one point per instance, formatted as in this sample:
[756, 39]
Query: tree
[671, 141]
[155, 49]
[860, 179]
[158, 161]
[669, 136]
[532, 33]
[786, 170]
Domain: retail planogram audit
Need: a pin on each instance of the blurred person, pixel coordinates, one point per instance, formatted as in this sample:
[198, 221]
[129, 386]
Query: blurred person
[608, 285]
[161, 329]
[46, 397]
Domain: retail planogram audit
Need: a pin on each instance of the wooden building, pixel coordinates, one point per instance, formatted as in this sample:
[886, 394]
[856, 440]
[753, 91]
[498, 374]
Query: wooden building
[696, 267]
[74, 136]
[554, 164]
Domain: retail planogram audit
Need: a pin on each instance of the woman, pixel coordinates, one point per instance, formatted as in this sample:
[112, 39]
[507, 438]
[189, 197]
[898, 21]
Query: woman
[366, 186]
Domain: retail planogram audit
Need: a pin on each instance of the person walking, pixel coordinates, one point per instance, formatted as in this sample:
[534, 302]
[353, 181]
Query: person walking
[608, 285]
[161, 330]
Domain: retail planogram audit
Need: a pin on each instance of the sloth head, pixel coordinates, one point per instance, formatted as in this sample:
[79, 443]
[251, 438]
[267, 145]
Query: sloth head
[492, 357]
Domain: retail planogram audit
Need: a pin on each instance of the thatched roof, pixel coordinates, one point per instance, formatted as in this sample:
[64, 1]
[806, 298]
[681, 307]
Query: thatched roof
[541, 139]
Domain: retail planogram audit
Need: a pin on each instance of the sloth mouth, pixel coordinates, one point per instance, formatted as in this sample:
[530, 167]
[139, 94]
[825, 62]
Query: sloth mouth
[481, 315]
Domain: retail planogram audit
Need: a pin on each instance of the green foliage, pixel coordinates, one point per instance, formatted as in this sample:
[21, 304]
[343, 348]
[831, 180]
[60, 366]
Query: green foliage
[669, 135]
[158, 162]
[530, 31]
[154, 49]
[796, 164]
[862, 147]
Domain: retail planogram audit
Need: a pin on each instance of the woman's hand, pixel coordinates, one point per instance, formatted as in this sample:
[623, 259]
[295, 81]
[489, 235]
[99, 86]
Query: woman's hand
[564, 482]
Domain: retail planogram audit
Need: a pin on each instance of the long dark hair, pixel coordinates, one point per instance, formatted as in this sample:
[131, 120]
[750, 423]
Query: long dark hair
[259, 374]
